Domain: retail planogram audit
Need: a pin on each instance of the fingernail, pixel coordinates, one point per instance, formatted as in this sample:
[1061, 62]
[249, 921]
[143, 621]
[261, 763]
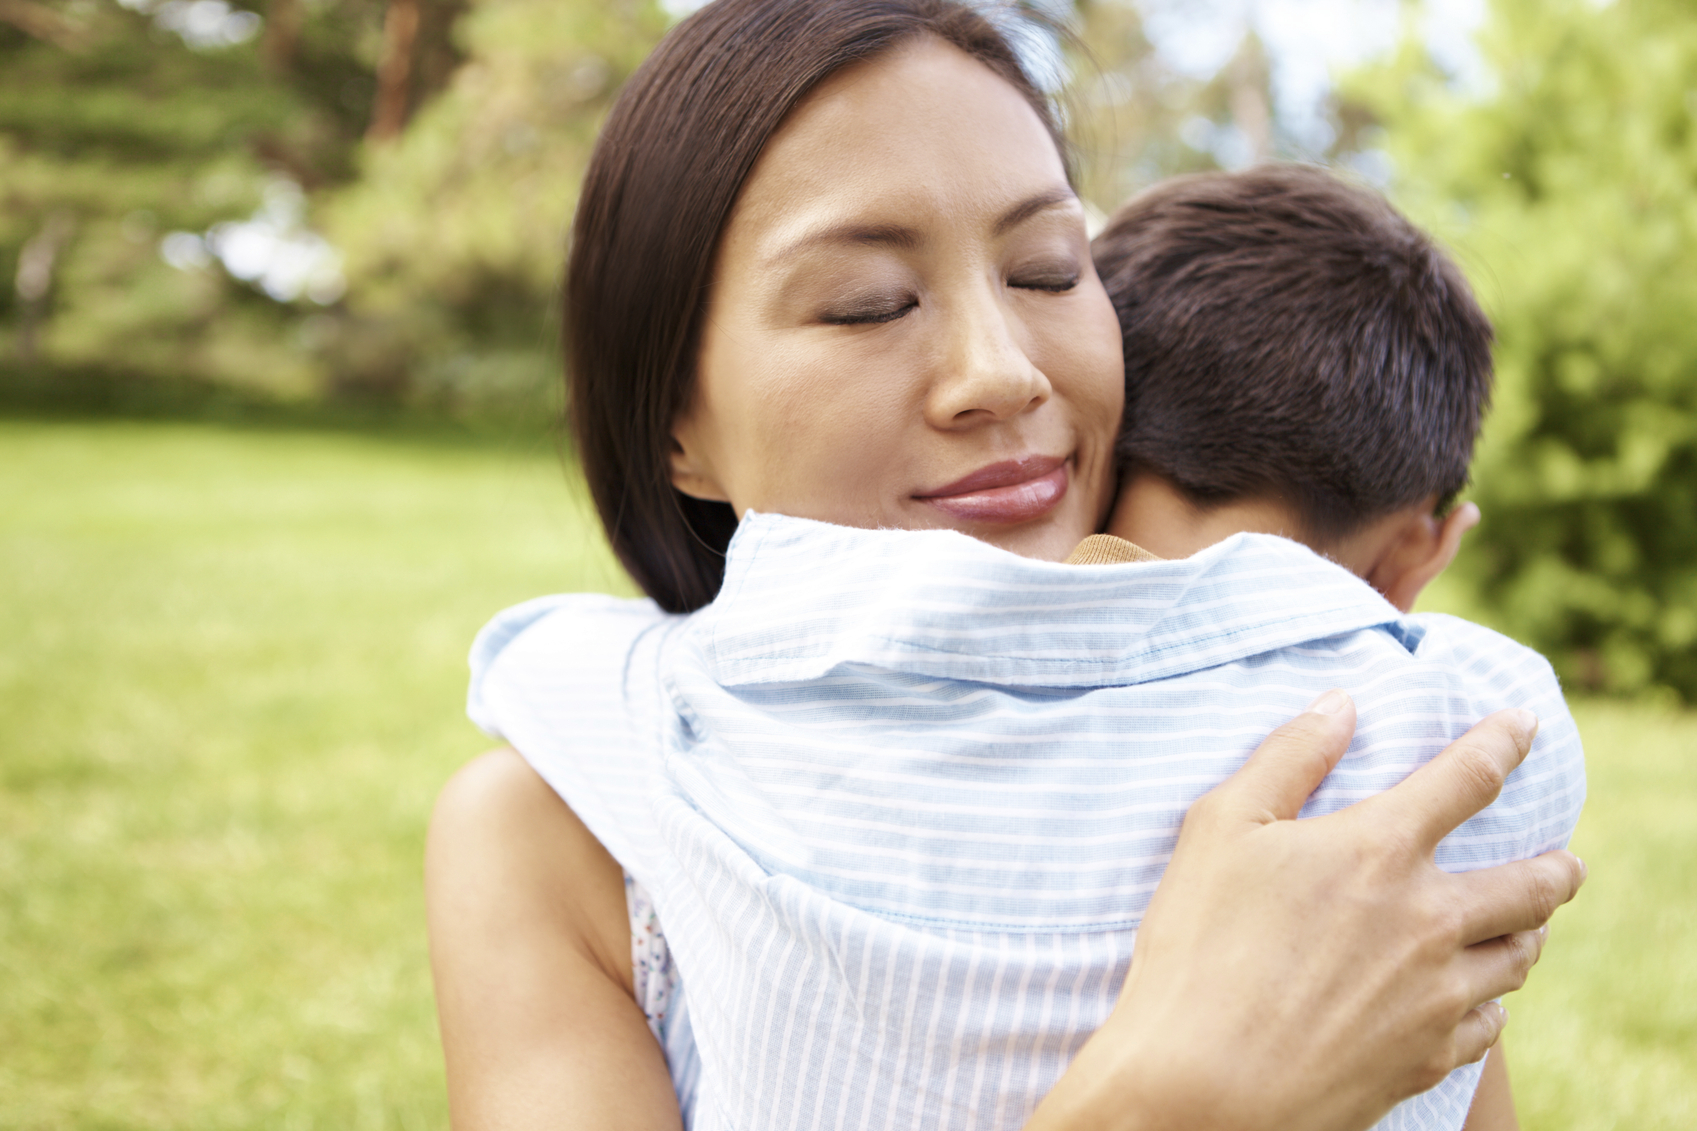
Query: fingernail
[1330, 703]
[1526, 723]
[1584, 872]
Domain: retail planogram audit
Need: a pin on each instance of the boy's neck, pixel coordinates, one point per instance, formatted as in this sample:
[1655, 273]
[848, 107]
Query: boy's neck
[1156, 515]
[1151, 512]
[1398, 553]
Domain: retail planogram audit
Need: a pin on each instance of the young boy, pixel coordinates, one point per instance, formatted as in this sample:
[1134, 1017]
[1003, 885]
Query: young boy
[1300, 360]
[901, 838]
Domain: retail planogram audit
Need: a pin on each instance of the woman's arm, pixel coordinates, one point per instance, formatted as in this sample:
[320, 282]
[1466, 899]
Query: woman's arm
[1287, 973]
[530, 950]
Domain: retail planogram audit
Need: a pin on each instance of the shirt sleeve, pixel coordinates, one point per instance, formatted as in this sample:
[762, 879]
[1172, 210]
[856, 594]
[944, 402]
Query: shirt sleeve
[572, 683]
[1540, 802]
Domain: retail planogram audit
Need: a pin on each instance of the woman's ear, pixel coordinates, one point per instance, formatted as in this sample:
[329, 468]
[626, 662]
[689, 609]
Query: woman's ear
[690, 473]
[1421, 551]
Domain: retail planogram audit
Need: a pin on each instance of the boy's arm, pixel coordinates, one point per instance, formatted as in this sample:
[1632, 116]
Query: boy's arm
[1493, 1102]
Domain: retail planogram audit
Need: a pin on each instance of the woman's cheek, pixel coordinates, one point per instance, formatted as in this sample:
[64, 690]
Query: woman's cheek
[1084, 359]
[819, 433]
[1090, 358]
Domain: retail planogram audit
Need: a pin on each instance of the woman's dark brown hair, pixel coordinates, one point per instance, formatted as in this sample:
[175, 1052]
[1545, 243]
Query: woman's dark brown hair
[666, 172]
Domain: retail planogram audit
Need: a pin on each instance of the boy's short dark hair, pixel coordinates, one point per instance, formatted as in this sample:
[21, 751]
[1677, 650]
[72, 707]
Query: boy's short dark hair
[1287, 333]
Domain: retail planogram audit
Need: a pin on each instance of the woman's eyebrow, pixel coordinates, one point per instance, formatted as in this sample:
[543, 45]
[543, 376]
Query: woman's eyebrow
[905, 239]
[1032, 205]
[871, 235]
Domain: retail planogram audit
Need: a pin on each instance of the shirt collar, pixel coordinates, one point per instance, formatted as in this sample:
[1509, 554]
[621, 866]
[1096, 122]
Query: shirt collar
[802, 598]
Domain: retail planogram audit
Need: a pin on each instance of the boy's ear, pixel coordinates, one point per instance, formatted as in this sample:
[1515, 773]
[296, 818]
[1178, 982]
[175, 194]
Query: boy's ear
[1420, 552]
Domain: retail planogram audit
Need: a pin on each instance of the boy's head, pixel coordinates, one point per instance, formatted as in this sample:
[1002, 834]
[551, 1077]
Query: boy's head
[1299, 359]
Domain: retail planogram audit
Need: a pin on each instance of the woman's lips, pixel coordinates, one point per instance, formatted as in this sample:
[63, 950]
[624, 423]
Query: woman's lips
[1015, 490]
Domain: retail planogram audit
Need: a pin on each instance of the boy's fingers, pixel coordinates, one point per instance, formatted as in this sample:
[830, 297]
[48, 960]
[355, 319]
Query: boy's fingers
[1292, 762]
[1459, 782]
[1516, 897]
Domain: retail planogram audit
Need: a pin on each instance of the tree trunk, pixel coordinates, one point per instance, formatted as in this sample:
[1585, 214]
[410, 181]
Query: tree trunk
[35, 280]
[1250, 111]
[282, 33]
[394, 71]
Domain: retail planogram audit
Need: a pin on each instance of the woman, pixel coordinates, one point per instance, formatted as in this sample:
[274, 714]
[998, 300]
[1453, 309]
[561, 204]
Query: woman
[827, 262]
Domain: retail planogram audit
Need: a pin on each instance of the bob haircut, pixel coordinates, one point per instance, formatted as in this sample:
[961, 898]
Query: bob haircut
[666, 172]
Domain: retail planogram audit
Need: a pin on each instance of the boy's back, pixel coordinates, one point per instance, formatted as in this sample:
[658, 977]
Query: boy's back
[908, 836]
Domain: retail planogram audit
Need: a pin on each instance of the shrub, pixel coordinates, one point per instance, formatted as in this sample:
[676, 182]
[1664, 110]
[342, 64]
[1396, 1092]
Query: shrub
[1565, 176]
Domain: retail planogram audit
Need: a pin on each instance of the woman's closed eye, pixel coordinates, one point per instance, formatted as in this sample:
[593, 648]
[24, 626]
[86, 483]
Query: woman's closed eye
[1057, 280]
[869, 312]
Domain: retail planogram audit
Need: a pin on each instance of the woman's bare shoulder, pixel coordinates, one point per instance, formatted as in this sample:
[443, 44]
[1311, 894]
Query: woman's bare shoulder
[502, 838]
[530, 951]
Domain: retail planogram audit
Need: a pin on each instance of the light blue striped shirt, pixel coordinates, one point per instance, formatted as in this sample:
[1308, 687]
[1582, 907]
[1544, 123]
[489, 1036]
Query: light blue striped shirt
[901, 798]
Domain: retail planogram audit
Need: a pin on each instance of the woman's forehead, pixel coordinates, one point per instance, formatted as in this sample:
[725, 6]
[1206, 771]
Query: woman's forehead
[920, 135]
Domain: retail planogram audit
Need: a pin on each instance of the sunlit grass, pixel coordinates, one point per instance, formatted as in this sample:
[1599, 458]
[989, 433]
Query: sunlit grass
[1605, 1034]
[231, 675]
[231, 680]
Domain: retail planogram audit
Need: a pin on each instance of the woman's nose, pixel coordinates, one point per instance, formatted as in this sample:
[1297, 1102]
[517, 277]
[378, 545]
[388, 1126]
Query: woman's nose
[984, 375]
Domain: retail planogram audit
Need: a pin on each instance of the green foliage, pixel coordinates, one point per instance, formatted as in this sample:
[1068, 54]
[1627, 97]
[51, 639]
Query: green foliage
[454, 236]
[116, 130]
[1569, 188]
[1566, 184]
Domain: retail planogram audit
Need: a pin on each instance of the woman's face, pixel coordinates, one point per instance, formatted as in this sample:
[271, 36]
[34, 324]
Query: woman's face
[905, 328]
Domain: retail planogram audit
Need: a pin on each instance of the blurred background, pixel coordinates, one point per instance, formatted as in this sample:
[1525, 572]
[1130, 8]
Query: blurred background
[278, 378]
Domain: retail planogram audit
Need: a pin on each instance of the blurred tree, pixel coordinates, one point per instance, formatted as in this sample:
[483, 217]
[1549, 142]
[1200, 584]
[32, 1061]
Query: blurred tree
[454, 235]
[133, 137]
[1137, 119]
[161, 161]
[1124, 107]
[1567, 179]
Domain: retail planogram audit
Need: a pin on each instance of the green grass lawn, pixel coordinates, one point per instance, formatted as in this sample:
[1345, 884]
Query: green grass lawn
[231, 675]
